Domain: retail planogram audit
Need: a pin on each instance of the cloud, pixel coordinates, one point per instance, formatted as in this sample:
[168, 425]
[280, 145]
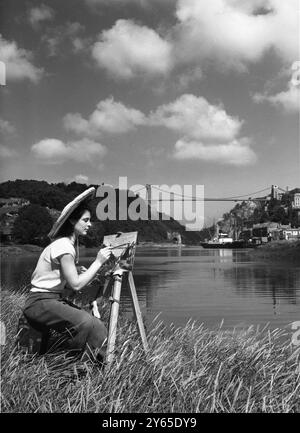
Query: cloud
[204, 127]
[237, 152]
[38, 14]
[235, 33]
[6, 127]
[209, 133]
[127, 50]
[6, 152]
[53, 151]
[109, 116]
[18, 62]
[288, 100]
[81, 178]
[197, 118]
[228, 34]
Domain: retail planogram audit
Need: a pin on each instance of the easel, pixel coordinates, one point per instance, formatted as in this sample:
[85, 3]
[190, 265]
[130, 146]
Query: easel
[116, 277]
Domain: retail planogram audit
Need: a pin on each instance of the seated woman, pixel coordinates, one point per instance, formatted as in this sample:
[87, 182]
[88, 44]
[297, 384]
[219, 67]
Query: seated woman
[45, 308]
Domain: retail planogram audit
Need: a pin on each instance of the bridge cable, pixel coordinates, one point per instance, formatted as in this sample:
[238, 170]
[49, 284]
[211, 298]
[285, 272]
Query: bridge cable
[201, 198]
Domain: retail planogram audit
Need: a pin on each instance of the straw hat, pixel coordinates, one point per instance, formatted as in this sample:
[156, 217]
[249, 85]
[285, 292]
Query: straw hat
[68, 209]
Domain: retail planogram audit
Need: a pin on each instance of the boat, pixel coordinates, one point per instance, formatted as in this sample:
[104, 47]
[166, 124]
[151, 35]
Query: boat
[222, 240]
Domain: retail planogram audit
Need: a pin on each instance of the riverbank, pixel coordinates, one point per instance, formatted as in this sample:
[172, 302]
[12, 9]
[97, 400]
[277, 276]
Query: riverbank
[278, 250]
[160, 245]
[28, 250]
[188, 369]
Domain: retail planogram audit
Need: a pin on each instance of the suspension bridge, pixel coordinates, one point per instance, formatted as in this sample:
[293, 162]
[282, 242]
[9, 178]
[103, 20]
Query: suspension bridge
[155, 193]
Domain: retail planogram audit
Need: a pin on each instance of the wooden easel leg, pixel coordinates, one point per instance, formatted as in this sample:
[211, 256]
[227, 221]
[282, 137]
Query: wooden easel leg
[113, 320]
[137, 311]
[94, 304]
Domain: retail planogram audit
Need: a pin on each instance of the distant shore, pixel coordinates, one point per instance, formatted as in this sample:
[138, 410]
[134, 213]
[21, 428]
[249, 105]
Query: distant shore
[7, 251]
[28, 250]
[275, 250]
[161, 245]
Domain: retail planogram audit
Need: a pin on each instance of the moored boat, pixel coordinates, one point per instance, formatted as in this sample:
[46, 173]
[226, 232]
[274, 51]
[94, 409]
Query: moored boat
[233, 244]
[224, 241]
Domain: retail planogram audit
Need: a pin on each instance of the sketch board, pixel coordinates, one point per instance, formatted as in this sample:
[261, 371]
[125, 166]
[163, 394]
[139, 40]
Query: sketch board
[122, 244]
[123, 251]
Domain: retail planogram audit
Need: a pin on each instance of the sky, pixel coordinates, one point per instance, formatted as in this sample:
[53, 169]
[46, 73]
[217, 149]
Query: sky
[164, 92]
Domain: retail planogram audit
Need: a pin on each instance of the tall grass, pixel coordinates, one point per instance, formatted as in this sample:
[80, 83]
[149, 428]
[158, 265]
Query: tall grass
[188, 369]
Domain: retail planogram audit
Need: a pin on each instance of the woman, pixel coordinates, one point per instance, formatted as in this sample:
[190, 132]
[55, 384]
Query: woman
[45, 307]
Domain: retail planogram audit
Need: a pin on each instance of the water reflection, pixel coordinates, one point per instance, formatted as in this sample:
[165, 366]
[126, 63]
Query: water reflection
[276, 283]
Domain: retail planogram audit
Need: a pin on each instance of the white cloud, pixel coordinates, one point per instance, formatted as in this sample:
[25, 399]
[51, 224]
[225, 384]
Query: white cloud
[53, 151]
[6, 127]
[284, 29]
[228, 34]
[288, 99]
[127, 50]
[237, 152]
[109, 116]
[234, 33]
[6, 152]
[81, 178]
[38, 14]
[209, 133]
[197, 118]
[18, 62]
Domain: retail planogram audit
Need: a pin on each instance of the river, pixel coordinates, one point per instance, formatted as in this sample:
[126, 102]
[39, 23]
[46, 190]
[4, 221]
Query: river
[208, 286]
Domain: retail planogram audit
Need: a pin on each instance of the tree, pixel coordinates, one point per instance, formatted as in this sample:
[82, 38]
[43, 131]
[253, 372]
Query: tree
[32, 225]
[278, 215]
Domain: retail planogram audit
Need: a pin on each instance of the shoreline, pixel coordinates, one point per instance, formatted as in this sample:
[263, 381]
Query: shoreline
[28, 250]
[275, 250]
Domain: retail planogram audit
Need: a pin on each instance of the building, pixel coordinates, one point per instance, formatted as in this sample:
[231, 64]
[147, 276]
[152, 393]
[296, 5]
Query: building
[296, 200]
[13, 201]
[295, 204]
[289, 234]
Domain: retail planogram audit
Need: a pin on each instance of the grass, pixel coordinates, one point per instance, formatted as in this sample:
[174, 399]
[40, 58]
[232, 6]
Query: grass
[187, 370]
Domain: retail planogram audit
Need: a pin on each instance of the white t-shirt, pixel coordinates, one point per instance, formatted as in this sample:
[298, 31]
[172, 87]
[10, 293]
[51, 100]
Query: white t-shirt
[47, 275]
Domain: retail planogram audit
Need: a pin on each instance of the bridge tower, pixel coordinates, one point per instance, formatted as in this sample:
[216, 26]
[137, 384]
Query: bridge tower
[274, 192]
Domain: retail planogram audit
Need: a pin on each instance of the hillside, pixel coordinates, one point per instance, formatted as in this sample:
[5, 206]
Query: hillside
[246, 214]
[55, 196]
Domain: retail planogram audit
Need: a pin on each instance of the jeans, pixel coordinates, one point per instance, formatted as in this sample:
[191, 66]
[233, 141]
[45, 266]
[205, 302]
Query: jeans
[82, 332]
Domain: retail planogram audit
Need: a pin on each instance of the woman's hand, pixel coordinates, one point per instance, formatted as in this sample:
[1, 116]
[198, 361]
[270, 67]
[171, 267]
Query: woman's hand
[79, 280]
[81, 269]
[103, 255]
